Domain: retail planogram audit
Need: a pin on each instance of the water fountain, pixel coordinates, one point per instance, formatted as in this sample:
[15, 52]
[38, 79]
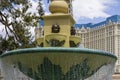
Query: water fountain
[58, 58]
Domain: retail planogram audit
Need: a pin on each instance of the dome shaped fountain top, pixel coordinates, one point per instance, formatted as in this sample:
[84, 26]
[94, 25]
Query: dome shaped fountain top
[58, 6]
[58, 58]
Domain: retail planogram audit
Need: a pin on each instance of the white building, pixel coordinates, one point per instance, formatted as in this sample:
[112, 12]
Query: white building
[103, 36]
[39, 31]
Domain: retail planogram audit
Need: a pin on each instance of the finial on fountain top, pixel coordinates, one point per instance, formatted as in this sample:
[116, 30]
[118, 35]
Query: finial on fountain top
[58, 6]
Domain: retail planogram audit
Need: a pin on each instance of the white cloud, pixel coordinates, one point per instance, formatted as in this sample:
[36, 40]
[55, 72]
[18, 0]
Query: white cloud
[47, 13]
[91, 8]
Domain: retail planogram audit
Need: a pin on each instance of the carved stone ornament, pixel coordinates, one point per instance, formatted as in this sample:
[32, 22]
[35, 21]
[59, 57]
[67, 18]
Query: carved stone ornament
[73, 44]
[73, 31]
[55, 28]
[55, 43]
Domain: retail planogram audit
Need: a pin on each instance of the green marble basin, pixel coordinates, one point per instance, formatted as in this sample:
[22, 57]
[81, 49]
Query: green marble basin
[55, 63]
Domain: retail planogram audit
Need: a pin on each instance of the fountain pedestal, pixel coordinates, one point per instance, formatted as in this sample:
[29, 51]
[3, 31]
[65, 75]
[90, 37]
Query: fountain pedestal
[65, 22]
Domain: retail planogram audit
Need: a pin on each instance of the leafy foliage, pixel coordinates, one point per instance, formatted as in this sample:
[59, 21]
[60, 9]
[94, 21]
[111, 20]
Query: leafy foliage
[17, 20]
[7, 44]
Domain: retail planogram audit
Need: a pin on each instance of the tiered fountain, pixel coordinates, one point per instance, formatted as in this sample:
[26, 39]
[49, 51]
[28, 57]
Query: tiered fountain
[60, 59]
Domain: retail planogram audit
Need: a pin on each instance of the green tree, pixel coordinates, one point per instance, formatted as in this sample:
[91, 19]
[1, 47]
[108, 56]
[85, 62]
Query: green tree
[7, 44]
[17, 20]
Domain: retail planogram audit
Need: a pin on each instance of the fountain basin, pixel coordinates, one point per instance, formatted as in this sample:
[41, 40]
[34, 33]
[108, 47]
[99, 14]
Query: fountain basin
[56, 63]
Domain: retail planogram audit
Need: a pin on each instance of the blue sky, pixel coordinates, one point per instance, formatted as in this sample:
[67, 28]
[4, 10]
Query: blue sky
[94, 11]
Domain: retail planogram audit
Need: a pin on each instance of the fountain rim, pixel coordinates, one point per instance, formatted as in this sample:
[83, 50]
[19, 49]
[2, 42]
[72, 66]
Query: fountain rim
[57, 49]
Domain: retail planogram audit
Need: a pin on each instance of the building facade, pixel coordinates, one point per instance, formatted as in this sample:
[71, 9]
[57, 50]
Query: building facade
[102, 36]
